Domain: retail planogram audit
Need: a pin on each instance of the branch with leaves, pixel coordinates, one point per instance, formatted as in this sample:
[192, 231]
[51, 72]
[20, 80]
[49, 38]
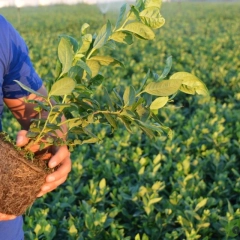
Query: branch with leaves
[78, 75]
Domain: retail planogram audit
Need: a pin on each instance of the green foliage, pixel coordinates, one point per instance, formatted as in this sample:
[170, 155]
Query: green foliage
[79, 73]
[199, 166]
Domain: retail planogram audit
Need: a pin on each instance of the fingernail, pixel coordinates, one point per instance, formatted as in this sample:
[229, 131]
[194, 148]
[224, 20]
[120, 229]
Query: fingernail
[53, 164]
[45, 188]
[19, 139]
[51, 179]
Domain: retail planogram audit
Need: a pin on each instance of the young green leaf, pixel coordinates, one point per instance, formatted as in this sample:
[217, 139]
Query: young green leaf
[133, 15]
[94, 67]
[122, 37]
[108, 99]
[72, 41]
[85, 43]
[126, 123]
[121, 15]
[29, 89]
[159, 103]
[84, 66]
[143, 113]
[106, 61]
[97, 80]
[111, 120]
[90, 140]
[102, 36]
[129, 96]
[140, 30]
[152, 17]
[191, 84]
[201, 204]
[65, 55]
[166, 69]
[116, 93]
[84, 28]
[144, 81]
[62, 87]
[163, 88]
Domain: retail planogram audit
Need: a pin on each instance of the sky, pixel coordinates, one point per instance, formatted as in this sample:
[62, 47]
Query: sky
[21, 3]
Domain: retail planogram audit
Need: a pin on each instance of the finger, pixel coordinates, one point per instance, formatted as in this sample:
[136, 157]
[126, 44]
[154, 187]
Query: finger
[22, 138]
[51, 186]
[59, 156]
[62, 171]
[5, 217]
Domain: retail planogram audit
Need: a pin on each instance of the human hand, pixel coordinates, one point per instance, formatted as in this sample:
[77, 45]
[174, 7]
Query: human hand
[59, 157]
[5, 217]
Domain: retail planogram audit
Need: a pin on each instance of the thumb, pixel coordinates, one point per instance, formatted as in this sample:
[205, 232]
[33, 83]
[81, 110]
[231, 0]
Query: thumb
[22, 138]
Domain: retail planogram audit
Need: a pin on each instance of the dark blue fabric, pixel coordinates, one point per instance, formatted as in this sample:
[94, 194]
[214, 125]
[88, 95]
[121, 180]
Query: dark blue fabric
[15, 64]
[12, 230]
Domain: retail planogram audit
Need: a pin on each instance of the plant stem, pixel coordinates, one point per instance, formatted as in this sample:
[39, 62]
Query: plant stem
[106, 112]
[39, 137]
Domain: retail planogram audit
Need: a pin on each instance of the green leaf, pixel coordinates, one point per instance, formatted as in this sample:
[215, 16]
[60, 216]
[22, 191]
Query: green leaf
[85, 43]
[140, 29]
[29, 89]
[109, 101]
[76, 72]
[74, 122]
[137, 237]
[102, 183]
[163, 88]
[90, 140]
[106, 61]
[155, 128]
[97, 80]
[159, 103]
[133, 15]
[167, 69]
[145, 237]
[111, 120]
[84, 28]
[122, 37]
[94, 66]
[152, 17]
[84, 66]
[201, 204]
[37, 229]
[63, 86]
[126, 123]
[153, 3]
[65, 54]
[154, 200]
[143, 113]
[103, 36]
[190, 83]
[128, 114]
[71, 40]
[72, 230]
[121, 15]
[118, 96]
[136, 104]
[144, 81]
[110, 44]
[129, 96]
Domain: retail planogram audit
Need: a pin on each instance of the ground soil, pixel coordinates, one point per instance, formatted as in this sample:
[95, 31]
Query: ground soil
[20, 179]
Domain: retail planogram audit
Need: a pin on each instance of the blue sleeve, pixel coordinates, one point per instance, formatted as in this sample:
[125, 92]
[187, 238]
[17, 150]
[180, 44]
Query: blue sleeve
[18, 66]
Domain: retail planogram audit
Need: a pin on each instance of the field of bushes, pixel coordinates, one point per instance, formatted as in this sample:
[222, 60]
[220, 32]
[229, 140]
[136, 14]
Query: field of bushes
[128, 186]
